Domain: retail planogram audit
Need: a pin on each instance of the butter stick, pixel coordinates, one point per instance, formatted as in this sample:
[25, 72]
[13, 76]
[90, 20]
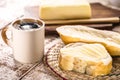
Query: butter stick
[64, 9]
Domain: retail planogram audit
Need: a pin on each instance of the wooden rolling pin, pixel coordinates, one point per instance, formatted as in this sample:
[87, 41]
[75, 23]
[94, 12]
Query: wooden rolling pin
[85, 21]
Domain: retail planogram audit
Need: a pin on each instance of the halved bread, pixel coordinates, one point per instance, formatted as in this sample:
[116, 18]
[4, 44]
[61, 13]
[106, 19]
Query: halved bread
[92, 59]
[110, 39]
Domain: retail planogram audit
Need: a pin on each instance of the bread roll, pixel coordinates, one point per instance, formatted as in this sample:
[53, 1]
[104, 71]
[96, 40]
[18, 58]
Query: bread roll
[110, 39]
[92, 59]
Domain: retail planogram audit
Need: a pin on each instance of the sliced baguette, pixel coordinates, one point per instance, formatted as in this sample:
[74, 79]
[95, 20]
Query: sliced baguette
[110, 39]
[92, 59]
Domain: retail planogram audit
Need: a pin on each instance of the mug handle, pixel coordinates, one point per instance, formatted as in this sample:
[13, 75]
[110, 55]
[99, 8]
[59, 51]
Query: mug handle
[4, 36]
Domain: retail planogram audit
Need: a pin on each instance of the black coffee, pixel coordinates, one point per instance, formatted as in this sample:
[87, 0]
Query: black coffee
[27, 26]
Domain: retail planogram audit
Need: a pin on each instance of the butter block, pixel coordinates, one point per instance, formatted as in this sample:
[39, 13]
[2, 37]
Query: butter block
[92, 59]
[64, 9]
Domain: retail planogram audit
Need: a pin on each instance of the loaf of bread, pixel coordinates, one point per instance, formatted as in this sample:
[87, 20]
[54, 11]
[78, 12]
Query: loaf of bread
[64, 9]
[92, 59]
[110, 39]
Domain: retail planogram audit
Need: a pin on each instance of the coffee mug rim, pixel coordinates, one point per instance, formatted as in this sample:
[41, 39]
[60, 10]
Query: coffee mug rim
[30, 19]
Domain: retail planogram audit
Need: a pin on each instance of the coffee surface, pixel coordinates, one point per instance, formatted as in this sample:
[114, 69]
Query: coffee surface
[27, 26]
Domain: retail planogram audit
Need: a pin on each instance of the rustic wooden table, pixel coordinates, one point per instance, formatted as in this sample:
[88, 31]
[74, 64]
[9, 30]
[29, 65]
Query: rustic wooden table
[10, 69]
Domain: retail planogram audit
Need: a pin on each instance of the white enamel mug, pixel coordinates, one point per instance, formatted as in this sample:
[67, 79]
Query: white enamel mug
[28, 45]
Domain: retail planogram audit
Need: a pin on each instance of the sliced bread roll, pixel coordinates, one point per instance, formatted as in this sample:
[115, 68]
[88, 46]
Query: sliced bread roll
[92, 59]
[110, 39]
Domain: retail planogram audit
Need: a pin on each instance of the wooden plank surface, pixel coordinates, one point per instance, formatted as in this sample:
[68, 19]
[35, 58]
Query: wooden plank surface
[101, 11]
[98, 11]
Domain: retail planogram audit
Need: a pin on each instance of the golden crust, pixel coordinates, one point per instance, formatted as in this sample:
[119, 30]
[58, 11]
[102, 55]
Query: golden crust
[85, 58]
[111, 40]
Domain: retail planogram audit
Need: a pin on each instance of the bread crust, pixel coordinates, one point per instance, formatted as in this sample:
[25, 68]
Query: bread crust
[94, 66]
[110, 39]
